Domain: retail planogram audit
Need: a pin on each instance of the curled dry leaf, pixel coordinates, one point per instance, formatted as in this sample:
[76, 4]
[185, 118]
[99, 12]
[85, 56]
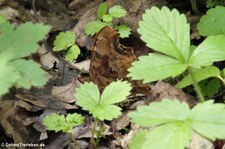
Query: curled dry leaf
[84, 65]
[66, 93]
[47, 59]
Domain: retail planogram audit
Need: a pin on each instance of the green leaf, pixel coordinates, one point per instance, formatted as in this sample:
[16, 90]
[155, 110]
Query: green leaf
[55, 122]
[213, 22]
[212, 49]
[174, 123]
[88, 97]
[94, 27]
[166, 31]
[24, 38]
[155, 67]
[64, 40]
[8, 76]
[138, 139]
[6, 29]
[74, 119]
[115, 92]
[107, 18]
[171, 136]
[200, 74]
[15, 44]
[209, 119]
[157, 113]
[72, 53]
[123, 30]
[102, 9]
[117, 11]
[30, 73]
[106, 112]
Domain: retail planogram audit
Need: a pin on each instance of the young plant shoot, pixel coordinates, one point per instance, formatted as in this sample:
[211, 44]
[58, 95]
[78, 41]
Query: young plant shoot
[56, 122]
[66, 41]
[105, 19]
[102, 107]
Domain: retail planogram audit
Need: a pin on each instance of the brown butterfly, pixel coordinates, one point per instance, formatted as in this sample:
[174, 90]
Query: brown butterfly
[110, 61]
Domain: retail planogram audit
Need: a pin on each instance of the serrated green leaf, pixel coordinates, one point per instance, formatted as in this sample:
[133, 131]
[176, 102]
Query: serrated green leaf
[166, 31]
[212, 49]
[171, 136]
[88, 97]
[107, 18]
[72, 53]
[8, 76]
[123, 30]
[106, 112]
[102, 9]
[117, 11]
[17, 43]
[200, 74]
[209, 119]
[115, 92]
[213, 22]
[55, 122]
[24, 38]
[138, 139]
[30, 73]
[157, 113]
[74, 119]
[163, 66]
[64, 40]
[175, 122]
[94, 27]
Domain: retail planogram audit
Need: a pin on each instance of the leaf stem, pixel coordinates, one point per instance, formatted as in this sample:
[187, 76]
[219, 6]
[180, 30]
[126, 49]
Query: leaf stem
[196, 86]
[96, 132]
[222, 79]
[194, 6]
[73, 137]
[93, 131]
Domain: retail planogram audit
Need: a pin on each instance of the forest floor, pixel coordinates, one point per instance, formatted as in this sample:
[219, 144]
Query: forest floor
[22, 111]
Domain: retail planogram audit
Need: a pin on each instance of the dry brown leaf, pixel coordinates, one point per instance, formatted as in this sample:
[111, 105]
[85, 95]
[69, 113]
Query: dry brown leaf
[83, 66]
[66, 93]
[164, 90]
[12, 118]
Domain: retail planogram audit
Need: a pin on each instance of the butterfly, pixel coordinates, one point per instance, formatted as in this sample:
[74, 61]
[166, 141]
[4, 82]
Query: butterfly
[110, 61]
